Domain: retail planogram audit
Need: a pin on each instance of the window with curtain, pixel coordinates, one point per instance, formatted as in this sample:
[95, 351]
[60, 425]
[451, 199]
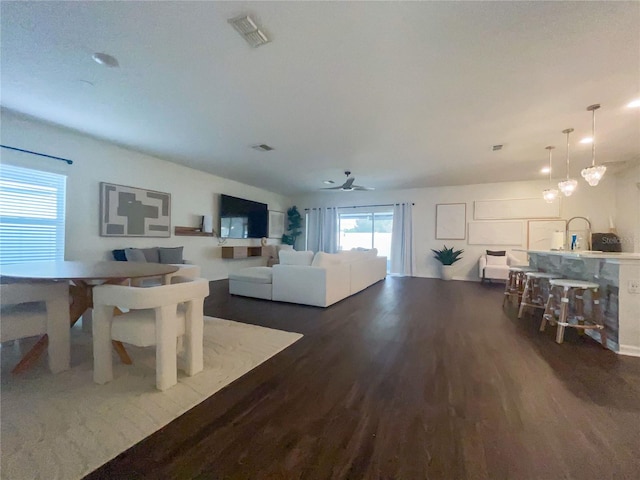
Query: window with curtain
[361, 228]
[32, 215]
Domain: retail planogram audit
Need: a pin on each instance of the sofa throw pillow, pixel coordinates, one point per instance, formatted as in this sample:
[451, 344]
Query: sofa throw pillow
[134, 255]
[496, 260]
[292, 257]
[171, 255]
[324, 260]
[496, 253]
[151, 254]
[119, 255]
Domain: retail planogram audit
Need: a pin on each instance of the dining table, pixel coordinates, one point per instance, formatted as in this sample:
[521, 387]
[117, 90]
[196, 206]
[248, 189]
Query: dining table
[82, 277]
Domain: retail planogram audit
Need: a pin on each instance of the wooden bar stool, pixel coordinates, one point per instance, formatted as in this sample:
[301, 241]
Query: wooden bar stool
[533, 296]
[560, 292]
[515, 283]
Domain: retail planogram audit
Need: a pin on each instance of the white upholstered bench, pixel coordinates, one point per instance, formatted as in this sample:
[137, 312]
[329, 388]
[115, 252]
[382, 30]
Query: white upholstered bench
[251, 282]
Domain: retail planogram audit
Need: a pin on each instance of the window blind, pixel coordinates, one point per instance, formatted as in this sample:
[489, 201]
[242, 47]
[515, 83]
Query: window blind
[32, 215]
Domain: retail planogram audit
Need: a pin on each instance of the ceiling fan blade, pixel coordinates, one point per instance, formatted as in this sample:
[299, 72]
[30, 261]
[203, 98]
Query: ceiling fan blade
[332, 188]
[358, 187]
[349, 183]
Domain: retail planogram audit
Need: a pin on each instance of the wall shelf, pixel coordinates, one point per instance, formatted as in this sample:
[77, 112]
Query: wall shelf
[241, 252]
[190, 232]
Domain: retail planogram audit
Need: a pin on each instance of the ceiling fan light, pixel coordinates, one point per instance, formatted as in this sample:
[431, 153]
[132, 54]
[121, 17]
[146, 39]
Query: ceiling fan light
[568, 186]
[550, 194]
[594, 174]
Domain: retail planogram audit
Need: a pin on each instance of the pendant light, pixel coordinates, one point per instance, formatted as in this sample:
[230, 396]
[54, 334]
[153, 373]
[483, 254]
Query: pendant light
[568, 186]
[594, 173]
[550, 194]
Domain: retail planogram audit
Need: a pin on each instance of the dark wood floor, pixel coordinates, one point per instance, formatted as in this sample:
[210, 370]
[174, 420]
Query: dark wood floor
[411, 379]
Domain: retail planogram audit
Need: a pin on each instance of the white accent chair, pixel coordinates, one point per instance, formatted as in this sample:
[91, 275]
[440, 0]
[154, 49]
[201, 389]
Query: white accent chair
[157, 316]
[30, 309]
[496, 267]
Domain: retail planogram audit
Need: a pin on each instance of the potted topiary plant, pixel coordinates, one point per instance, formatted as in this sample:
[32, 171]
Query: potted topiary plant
[447, 257]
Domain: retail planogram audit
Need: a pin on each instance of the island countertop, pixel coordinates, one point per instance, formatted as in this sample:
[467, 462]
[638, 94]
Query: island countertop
[618, 275]
[586, 254]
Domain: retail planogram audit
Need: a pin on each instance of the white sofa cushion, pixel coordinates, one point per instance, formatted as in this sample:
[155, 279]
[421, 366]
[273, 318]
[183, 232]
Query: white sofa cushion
[493, 260]
[292, 257]
[253, 275]
[322, 259]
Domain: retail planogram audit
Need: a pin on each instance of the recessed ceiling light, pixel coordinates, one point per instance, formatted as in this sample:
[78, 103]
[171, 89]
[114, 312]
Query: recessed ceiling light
[634, 104]
[586, 140]
[328, 182]
[262, 147]
[545, 170]
[105, 59]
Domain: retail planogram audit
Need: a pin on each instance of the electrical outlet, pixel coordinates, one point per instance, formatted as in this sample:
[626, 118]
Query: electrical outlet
[634, 286]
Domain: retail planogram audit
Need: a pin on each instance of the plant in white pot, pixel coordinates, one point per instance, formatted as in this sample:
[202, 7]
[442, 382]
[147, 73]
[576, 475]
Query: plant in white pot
[447, 257]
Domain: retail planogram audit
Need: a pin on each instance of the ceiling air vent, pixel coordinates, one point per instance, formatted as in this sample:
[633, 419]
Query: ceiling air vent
[496, 148]
[249, 30]
[263, 147]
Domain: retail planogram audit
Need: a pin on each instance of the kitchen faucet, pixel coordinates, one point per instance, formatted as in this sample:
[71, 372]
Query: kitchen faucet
[588, 239]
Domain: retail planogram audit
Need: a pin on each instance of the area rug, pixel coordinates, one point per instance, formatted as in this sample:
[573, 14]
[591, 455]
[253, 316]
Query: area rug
[64, 426]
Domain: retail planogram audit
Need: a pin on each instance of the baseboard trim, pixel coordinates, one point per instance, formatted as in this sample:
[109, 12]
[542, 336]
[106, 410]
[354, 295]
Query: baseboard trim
[629, 350]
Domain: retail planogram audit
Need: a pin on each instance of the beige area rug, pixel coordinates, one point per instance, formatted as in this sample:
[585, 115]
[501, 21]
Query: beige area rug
[65, 426]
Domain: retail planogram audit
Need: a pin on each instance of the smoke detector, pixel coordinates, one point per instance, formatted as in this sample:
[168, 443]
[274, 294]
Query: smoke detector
[263, 147]
[249, 30]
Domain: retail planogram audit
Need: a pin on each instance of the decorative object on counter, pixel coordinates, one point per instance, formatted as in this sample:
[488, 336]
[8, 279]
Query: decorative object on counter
[134, 212]
[207, 224]
[594, 173]
[451, 221]
[550, 194]
[294, 228]
[276, 224]
[568, 186]
[606, 242]
[447, 257]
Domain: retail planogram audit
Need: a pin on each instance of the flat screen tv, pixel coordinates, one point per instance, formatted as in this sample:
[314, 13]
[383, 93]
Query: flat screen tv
[240, 218]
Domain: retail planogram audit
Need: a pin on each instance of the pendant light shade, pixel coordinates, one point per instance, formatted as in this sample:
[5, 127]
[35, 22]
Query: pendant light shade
[568, 186]
[550, 194]
[594, 173]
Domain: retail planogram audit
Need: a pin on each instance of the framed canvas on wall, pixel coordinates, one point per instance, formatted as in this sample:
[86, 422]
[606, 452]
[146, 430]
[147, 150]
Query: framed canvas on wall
[276, 224]
[451, 221]
[134, 212]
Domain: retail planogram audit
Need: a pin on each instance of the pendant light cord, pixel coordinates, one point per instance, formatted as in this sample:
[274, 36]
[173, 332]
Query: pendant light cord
[593, 137]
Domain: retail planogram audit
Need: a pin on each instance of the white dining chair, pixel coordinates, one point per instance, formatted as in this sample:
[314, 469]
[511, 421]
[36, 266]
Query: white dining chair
[30, 309]
[156, 316]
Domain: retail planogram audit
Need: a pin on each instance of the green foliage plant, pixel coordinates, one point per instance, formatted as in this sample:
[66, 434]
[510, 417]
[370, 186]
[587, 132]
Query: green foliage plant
[294, 226]
[447, 256]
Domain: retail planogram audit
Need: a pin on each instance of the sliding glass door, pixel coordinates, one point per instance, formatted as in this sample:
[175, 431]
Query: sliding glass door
[366, 228]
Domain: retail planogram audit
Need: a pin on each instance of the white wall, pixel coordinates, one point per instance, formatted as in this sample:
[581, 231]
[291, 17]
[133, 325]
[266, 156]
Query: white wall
[596, 203]
[193, 193]
[627, 220]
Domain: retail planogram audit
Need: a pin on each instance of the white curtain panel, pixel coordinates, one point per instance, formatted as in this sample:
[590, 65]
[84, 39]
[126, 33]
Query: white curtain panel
[322, 230]
[402, 261]
[313, 229]
[330, 230]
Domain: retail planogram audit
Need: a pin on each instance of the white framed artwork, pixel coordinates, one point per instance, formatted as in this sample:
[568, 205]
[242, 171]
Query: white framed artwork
[451, 221]
[276, 224]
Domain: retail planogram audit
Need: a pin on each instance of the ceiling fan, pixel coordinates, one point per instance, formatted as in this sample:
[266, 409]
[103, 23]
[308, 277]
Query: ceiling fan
[348, 186]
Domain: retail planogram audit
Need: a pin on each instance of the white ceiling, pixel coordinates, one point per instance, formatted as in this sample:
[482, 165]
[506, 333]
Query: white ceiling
[403, 94]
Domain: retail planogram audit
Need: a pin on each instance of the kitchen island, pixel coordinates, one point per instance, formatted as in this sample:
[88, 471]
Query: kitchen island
[618, 275]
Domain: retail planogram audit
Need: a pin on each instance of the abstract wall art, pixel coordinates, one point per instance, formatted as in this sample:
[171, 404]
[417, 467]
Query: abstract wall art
[134, 212]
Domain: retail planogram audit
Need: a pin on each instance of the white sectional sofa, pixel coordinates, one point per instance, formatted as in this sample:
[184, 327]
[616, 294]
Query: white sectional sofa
[304, 278]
